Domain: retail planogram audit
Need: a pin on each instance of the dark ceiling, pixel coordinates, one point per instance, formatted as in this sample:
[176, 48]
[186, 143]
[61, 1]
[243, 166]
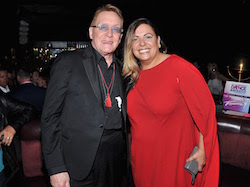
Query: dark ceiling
[68, 19]
[194, 29]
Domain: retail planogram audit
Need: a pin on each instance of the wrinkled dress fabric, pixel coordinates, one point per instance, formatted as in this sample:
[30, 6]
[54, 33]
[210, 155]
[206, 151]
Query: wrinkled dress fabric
[167, 106]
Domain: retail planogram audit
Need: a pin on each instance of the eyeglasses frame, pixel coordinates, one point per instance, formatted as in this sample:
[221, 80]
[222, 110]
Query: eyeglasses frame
[99, 26]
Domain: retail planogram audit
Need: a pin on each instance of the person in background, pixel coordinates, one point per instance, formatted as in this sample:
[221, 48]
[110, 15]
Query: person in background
[4, 87]
[216, 82]
[27, 92]
[12, 81]
[34, 76]
[170, 109]
[42, 81]
[82, 124]
[14, 115]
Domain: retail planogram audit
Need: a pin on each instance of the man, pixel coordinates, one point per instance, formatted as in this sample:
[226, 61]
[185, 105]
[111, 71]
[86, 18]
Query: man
[83, 118]
[27, 92]
[4, 80]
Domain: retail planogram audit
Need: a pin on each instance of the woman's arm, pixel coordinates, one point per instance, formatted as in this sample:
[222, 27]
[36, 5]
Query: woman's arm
[200, 155]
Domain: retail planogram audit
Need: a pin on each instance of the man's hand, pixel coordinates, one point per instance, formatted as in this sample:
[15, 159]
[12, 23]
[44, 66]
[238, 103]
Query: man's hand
[60, 180]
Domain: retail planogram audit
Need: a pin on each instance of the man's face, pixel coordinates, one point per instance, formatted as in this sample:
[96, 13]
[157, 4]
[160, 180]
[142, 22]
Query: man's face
[3, 78]
[106, 41]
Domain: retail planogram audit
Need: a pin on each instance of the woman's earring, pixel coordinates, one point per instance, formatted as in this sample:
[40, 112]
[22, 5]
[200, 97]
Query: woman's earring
[159, 45]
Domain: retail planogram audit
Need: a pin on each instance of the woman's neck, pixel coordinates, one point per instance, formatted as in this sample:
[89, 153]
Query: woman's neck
[152, 63]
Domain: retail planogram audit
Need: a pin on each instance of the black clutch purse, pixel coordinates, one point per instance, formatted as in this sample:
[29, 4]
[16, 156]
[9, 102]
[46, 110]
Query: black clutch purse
[192, 166]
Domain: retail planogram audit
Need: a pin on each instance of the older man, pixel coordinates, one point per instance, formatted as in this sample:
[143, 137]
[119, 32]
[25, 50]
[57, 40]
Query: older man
[83, 131]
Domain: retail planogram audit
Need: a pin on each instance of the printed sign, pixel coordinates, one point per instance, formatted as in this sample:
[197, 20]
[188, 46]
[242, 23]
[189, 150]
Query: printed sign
[236, 96]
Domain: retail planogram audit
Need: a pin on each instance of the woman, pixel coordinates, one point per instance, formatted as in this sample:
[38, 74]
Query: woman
[171, 110]
[35, 74]
[42, 81]
[13, 115]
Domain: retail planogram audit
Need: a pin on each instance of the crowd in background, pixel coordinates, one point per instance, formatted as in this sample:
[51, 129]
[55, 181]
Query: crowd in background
[24, 84]
[40, 77]
[21, 89]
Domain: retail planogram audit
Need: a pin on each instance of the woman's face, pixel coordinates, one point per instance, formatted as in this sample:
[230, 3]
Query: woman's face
[35, 76]
[41, 82]
[145, 44]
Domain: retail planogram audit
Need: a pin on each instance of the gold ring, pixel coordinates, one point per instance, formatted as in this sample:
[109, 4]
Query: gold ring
[8, 137]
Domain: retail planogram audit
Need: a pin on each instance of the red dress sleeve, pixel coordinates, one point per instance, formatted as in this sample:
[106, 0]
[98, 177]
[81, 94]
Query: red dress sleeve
[202, 108]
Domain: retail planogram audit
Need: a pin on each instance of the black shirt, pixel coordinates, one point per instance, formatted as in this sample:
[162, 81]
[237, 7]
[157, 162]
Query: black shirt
[113, 114]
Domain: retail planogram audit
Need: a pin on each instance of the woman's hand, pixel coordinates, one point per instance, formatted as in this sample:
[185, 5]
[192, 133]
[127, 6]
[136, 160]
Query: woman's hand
[200, 157]
[8, 134]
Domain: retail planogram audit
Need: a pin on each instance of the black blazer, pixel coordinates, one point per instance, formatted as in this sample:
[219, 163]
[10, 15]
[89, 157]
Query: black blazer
[29, 93]
[73, 117]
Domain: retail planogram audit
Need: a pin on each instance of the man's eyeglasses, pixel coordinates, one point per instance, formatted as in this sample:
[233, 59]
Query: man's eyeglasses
[104, 27]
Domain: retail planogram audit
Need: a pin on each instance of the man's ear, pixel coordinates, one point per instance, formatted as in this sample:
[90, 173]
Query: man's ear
[91, 32]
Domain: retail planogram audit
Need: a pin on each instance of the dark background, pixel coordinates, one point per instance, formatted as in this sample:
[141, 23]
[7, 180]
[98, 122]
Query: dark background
[203, 31]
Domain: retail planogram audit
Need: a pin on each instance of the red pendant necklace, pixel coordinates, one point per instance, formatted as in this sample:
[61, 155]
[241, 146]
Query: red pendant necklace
[107, 91]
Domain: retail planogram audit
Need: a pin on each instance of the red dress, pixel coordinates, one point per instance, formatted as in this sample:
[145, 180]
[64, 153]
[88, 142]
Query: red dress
[167, 106]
